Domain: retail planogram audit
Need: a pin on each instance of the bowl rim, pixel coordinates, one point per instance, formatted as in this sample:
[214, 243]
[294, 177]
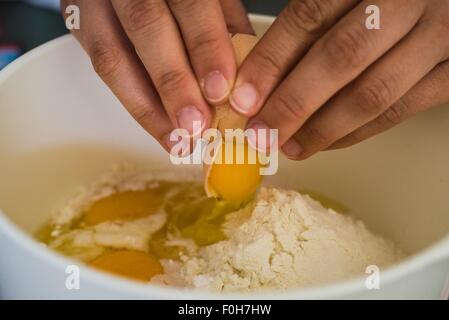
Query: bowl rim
[433, 254]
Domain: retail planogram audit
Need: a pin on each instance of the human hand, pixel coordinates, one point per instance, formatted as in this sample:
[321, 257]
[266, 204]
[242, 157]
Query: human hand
[325, 80]
[164, 60]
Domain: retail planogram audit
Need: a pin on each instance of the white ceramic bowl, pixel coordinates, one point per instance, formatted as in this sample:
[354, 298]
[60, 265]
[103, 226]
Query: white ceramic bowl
[60, 128]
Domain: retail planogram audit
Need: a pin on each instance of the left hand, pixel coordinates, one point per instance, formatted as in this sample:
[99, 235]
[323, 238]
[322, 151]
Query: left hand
[326, 81]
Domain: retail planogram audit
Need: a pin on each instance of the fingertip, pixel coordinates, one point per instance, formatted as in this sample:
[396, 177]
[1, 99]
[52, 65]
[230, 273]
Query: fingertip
[193, 119]
[167, 143]
[216, 87]
[292, 149]
[260, 137]
[244, 98]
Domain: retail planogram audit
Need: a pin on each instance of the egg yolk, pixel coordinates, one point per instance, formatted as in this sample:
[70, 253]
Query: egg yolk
[131, 264]
[127, 205]
[236, 182]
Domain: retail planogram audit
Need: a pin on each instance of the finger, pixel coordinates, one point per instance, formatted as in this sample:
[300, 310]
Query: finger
[333, 62]
[236, 17]
[298, 26]
[117, 64]
[429, 92]
[208, 44]
[379, 87]
[154, 33]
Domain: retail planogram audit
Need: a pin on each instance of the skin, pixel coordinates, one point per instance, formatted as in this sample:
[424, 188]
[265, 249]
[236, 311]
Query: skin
[318, 75]
[166, 61]
[326, 81]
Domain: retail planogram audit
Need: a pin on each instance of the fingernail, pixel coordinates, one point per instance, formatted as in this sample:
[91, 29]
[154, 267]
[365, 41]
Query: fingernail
[215, 86]
[182, 146]
[191, 119]
[244, 98]
[259, 137]
[292, 149]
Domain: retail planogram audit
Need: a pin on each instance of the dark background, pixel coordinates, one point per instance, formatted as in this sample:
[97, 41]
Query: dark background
[28, 26]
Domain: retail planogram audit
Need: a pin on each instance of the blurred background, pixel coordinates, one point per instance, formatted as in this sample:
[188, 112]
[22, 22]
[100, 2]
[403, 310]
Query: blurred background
[26, 24]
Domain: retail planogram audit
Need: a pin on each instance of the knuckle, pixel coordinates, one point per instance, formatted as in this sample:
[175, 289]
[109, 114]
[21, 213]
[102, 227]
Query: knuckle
[307, 16]
[374, 97]
[171, 80]
[267, 62]
[105, 58]
[312, 135]
[395, 114]
[142, 15]
[205, 42]
[345, 49]
[144, 114]
[189, 5]
[291, 107]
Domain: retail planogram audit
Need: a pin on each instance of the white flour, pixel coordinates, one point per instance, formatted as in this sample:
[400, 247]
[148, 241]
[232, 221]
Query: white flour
[281, 240]
[284, 240]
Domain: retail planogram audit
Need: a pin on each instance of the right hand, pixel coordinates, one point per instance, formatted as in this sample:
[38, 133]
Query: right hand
[164, 60]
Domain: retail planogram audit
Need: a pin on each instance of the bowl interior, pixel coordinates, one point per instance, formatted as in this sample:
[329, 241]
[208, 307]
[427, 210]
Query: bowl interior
[60, 128]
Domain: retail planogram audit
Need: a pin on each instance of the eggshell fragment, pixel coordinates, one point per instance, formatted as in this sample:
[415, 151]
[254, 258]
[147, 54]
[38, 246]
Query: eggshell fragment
[225, 117]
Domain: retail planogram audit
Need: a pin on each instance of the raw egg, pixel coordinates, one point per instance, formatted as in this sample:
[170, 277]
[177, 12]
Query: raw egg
[124, 206]
[131, 264]
[235, 182]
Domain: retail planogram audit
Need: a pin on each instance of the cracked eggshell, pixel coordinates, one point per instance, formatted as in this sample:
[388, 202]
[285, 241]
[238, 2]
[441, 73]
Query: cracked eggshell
[225, 117]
